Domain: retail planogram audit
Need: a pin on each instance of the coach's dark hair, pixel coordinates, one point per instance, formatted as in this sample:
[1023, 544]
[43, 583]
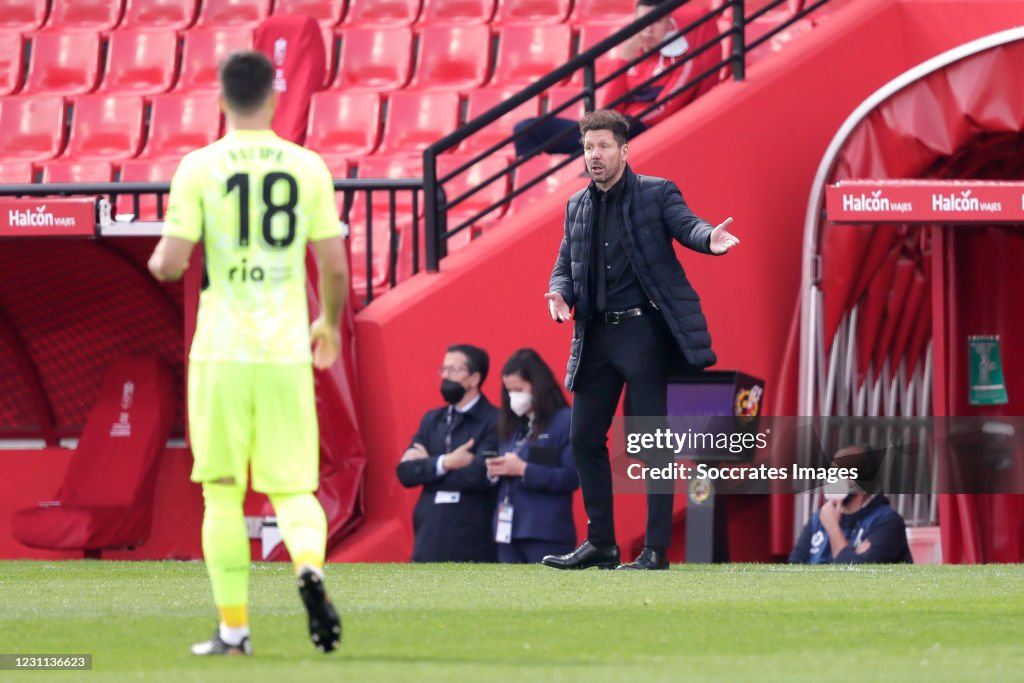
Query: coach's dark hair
[246, 78]
[605, 119]
[476, 358]
[548, 398]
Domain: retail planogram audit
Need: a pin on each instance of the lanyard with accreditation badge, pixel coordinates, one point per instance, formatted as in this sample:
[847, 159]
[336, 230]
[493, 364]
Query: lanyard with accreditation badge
[503, 530]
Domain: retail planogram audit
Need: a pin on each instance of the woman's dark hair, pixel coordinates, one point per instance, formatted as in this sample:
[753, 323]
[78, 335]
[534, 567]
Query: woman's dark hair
[548, 398]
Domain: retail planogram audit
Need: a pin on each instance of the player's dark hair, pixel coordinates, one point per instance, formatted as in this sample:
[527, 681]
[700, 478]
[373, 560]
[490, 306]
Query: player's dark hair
[246, 79]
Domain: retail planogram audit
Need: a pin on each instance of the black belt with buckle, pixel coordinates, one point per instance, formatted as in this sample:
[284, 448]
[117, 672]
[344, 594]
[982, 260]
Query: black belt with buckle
[616, 317]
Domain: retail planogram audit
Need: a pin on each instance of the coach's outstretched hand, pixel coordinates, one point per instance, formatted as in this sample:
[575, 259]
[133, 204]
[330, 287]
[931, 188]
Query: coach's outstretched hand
[557, 307]
[721, 239]
[326, 340]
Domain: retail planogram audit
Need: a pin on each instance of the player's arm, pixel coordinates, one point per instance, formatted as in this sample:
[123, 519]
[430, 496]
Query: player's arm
[170, 258]
[333, 267]
[182, 225]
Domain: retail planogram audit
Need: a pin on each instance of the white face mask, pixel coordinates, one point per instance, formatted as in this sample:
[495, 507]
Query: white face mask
[520, 402]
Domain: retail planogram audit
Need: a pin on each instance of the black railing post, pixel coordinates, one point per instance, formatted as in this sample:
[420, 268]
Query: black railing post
[433, 223]
[739, 41]
[589, 79]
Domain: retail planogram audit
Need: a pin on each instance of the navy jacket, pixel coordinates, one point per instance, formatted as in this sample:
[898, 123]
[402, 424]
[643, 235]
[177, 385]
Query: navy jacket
[654, 214]
[461, 531]
[542, 498]
[876, 522]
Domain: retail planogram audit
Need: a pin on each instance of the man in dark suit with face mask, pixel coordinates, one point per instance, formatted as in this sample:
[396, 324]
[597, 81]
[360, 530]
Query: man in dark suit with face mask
[452, 519]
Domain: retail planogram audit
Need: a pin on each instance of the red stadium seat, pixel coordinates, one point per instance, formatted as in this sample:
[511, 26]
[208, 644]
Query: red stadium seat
[145, 171]
[203, 51]
[31, 128]
[78, 172]
[559, 96]
[63, 63]
[591, 35]
[12, 62]
[233, 13]
[343, 123]
[532, 11]
[374, 59]
[84, 15]
[16, 172]
[526, 53]
[382, 12]
[564, 181]
[23, 16]
[327, 12]
[141, 62]
[107, 497]
[180, 123]
[453, 57]
[474, 177]
[416, 120]
[389, 166]
[446, 12]
[591, 12]
[480, 102]
[105, 127]
[167, 15]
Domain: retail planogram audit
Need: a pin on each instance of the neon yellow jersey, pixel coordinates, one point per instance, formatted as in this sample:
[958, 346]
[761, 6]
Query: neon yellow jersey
[255, 201]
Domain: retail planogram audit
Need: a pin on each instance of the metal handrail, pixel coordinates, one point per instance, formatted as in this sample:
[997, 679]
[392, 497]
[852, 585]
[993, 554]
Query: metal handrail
[436, 206]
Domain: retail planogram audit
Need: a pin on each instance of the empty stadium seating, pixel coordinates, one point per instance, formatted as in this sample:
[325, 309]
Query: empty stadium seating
[382, 12]
[203, 50]
[233, 13]
[63, 63]
[84, 15]
[12, 63]
[344, 124]
[593, 12]
[141, 62]
[105, 127]
[533, 11]
[15, 172]
[480, 102]
[78, 172]
[453, 57]
[327, 12]
[167, 15]
[141, 170]
[376, 59]
[527, 53]
[180, 123]
[418, 119]
[31, 128]
[22, 15]
[439, 12]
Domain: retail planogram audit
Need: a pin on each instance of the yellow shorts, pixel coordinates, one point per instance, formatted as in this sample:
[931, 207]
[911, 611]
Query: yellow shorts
[258, 415]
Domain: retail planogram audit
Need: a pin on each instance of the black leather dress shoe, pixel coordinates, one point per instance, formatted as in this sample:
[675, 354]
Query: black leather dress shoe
[584, 557]
[647, 559]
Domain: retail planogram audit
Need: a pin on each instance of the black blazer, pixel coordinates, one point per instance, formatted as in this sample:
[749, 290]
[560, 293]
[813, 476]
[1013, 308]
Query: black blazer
[654, 214]
[454, 532]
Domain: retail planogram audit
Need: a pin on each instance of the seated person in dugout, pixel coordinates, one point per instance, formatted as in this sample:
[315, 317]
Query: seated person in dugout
[853, 527]
[452, 519]
[632, 107]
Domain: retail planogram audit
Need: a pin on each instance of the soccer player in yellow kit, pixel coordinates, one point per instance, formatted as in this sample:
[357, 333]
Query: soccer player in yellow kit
[254, 202]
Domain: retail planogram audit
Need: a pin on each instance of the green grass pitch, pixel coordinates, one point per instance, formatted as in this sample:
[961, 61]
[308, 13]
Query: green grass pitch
[453, 623]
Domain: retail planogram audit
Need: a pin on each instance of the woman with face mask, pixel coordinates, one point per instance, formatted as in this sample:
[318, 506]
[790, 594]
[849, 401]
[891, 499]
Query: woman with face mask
[534, 466]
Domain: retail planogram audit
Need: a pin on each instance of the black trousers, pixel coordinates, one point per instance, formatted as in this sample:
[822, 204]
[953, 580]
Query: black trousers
[636, 353]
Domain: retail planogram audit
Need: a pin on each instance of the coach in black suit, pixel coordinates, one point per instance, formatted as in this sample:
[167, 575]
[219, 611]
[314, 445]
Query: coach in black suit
[636, 318]
[452, 519]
